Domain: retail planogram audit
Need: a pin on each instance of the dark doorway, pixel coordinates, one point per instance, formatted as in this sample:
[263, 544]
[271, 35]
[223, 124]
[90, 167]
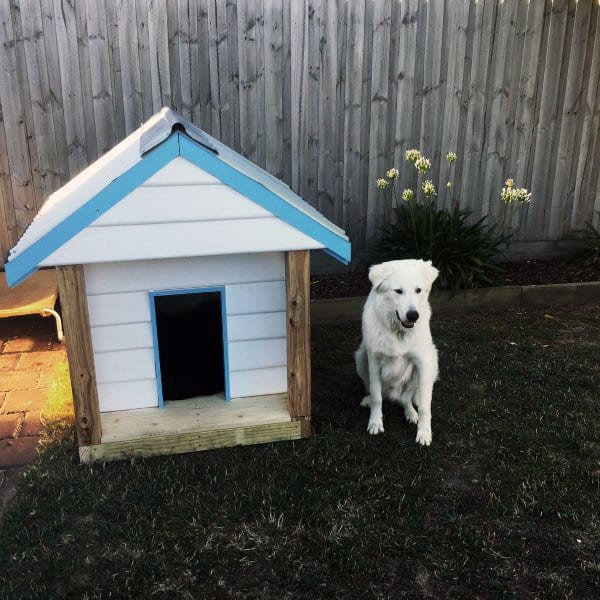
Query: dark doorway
[189, 337]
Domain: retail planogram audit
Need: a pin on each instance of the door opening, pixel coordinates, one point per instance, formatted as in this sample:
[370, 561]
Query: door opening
[189, 340]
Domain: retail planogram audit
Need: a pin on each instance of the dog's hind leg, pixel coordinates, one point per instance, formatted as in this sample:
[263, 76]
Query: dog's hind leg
[404, 391]
[412, 416]
[404, 395]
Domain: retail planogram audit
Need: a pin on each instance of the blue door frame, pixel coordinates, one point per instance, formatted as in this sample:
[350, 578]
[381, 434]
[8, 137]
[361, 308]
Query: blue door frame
[153, 295]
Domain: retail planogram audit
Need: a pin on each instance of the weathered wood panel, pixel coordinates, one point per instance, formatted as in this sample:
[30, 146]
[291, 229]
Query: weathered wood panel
[71, 284]
[297, 269]
[327, 95]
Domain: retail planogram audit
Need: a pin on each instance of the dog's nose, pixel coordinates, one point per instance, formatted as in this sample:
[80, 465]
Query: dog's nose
[412, 315]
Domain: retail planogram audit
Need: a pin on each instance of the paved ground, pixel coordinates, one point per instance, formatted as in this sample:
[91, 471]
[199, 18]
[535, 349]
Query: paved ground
[29, 355]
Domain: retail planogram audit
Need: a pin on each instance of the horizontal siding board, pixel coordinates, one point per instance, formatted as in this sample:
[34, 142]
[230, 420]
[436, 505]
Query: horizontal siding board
[257, 354]
[125, 365]
[126, 395]
[172, 240]
[258, 382]
[134, 307]
[103, 278]
[180, 172]
[255, 327]
[122, 337]
[181, 204]
[251, 298]
[118, 309]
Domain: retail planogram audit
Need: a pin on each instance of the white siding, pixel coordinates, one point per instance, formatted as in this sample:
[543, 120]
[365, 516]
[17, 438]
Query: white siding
[119, 307]
[258, 382]
[257, 354]
[124, 365]
[179, 239]
[127, 394]
[181, 203]
[180, 172]
[255, 327]
[121, 337]
[181, 211]
[183, 273]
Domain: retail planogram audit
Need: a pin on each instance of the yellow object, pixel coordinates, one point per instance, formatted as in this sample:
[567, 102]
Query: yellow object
[35, 296]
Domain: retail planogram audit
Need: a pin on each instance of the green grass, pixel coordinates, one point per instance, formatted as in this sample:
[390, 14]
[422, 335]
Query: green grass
[58, 408]
[503, 504]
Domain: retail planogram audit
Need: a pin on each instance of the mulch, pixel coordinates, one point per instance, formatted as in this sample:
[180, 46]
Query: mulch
[531, 272]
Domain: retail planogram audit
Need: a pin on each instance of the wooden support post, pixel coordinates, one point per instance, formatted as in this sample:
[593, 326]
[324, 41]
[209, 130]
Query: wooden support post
[78, 338]
[297, 277]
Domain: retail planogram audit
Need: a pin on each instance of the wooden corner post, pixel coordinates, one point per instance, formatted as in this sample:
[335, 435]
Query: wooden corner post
[78, 338]
[297, 277]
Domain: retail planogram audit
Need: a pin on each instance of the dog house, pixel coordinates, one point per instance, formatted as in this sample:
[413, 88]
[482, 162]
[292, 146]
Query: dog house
[183, 273]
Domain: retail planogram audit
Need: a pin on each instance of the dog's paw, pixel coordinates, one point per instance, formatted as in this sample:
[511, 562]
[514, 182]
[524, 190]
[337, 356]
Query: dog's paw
[412, 416]
[424, 437]
[375, 427]
[366, 401]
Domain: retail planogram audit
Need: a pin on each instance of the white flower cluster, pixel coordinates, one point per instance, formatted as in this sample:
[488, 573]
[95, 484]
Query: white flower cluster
[451, 157]
[392, 174]
[407, 195]
[510, 193]
[428, 188]
[422, 164]
[382, 184]
[412, 155]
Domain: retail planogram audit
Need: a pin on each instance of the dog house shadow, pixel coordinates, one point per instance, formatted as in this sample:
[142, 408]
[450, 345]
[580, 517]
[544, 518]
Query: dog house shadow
[183, 273]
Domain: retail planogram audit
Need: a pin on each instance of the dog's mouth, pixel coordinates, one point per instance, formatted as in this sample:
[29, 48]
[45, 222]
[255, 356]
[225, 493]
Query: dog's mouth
[406, 324]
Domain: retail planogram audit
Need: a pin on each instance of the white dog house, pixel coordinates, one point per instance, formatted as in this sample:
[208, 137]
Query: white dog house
[184, 281]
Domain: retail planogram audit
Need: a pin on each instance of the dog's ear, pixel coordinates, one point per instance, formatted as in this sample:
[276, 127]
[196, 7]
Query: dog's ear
[377, 275]
[431, 272]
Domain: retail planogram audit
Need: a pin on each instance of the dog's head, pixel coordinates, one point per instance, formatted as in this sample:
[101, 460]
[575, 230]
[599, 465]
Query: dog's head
[402, 288]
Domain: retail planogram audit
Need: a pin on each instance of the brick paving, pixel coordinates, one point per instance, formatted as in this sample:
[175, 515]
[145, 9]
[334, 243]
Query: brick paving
[29, 356]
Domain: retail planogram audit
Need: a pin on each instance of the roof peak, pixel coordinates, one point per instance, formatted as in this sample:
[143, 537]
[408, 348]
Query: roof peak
[169, 122]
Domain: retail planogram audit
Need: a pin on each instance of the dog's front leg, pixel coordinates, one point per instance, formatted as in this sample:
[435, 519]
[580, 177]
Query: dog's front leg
[427, 373]
[375, 425]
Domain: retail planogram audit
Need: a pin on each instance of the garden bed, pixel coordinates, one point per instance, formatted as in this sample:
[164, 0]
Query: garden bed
[533, 272]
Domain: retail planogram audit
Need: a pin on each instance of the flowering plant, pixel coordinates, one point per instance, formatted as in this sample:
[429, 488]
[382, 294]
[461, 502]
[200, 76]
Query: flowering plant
[510, 193]
[464, 253]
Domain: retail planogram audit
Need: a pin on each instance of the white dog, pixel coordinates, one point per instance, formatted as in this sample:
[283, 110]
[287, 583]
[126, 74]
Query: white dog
[396, 358]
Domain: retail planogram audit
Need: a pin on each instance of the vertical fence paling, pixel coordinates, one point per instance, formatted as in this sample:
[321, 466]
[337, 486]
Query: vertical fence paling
[326, 94]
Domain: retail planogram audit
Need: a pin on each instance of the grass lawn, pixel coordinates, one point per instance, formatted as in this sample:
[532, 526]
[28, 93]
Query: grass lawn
[505, 503]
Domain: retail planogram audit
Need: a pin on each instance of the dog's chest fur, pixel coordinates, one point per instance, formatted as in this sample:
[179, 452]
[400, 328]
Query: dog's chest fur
[395, 359]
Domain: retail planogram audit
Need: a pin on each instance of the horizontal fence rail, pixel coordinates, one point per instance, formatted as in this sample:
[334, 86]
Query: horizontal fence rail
[325, 94]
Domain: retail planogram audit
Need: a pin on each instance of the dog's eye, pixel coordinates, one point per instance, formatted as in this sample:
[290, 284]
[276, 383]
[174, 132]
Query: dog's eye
[399, 291]
[418, 290]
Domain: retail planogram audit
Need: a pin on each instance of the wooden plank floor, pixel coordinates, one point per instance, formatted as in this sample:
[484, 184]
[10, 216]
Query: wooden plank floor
[194, 415]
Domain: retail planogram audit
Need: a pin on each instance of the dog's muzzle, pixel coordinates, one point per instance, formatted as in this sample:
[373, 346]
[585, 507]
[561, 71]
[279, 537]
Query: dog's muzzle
[407, 324]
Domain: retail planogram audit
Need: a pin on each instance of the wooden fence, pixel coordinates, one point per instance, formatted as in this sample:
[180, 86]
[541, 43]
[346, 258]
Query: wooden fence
[326, 94]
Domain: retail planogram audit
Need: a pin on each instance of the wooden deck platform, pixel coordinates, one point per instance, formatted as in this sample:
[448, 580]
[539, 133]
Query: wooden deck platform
[193, 425]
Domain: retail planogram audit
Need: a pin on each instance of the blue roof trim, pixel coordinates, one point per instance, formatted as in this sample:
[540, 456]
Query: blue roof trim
[26, 263]
[177, 144]
[337, 246]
